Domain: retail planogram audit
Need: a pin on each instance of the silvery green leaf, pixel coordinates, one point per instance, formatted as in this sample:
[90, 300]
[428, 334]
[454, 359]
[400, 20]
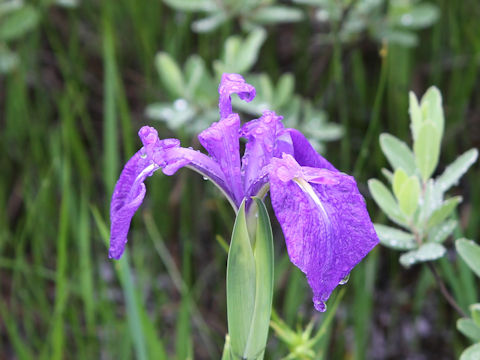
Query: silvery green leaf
[416, 118]
[471, 353]
[67, 3]
[441, 232]
[427, 149]
[195, 71]
[385, 200]
[284, 90]
[470, 253]
[468, 328]
[432, 110]
[432, 200]
[394, 238]
[420, 16]
[455, 170]
[443, 212]
[388, 175]
[170, 74]
[18, 23]
[209, 23]
[248, 54]
[399, 37]
[426, 252]
[8, 60]
[193, 5]
[398, 153]
[9, 6]
[276, 14]
[174, 115]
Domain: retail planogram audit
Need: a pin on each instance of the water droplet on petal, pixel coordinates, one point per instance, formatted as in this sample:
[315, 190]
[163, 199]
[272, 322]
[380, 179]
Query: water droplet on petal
[205, 178]
[344, 280]
[320, 305]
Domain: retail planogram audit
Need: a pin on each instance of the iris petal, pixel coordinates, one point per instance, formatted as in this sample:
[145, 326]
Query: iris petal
[233, 84]
[326, 225]
[130, 189]
[305, 154]
[221, 140]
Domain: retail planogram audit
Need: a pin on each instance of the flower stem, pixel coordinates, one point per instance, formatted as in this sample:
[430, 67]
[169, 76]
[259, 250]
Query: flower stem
[444, 291]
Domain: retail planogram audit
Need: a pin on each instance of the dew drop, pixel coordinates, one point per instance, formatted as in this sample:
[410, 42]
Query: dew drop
[344, 280]
[205, 178]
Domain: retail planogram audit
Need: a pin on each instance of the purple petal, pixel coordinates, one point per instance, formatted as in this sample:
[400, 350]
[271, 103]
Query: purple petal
[326, 224]
[130, 189]
[263, 138]
[127, 197]
[305, 154]
[221, 140]
[233, 84]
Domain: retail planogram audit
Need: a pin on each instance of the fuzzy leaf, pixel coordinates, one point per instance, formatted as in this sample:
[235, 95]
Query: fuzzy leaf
[468, 328]
[170, 74]
[444, 211]
[394, 238]
[455, 170]
[470, 253]
[398, 153]
[427, 149]
[426, 252]
[385, 200]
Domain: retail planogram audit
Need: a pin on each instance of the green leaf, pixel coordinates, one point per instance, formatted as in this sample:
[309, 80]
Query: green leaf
[8, 60]
[399, 178]
[241, 285]
[420, 16]
[398, 153]
[441, 232]
[468, 328]
[444, 211]
[247, 54]
[426, 252]
[399, 37]
[427, 149]
[284, 90]
[170, 74]
[432, 109]
[475, 311]
[455, 170]
[416, 118]
[209, 23]
[470, 253]
[18, 23]
[385, 200]
[276, 14]
[263, 253]
[394, 238]
[408, 196]
[195, 71]
[192, 5]
[471, 353]
[432, 200]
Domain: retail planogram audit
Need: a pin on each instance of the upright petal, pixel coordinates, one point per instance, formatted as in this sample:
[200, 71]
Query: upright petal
[130, 188]
[221, 140]
[305, 154]
[263, 136]
[325, 222]
[233, 84]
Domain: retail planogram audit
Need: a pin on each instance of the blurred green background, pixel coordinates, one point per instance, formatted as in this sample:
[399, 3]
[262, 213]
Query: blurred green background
[79, 78]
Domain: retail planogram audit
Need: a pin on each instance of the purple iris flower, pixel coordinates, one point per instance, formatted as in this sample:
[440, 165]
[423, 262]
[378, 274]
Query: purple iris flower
[322, 214]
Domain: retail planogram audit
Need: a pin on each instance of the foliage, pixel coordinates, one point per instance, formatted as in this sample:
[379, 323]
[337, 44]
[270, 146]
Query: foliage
[417, 203]
[192, 91]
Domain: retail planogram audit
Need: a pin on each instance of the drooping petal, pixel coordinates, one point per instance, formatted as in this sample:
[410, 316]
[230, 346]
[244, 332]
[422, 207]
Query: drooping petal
[130, 188]
[305, 154]
[263, 138]
[325, 222]
[221, 140]
[126, 199]
[233, 84]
